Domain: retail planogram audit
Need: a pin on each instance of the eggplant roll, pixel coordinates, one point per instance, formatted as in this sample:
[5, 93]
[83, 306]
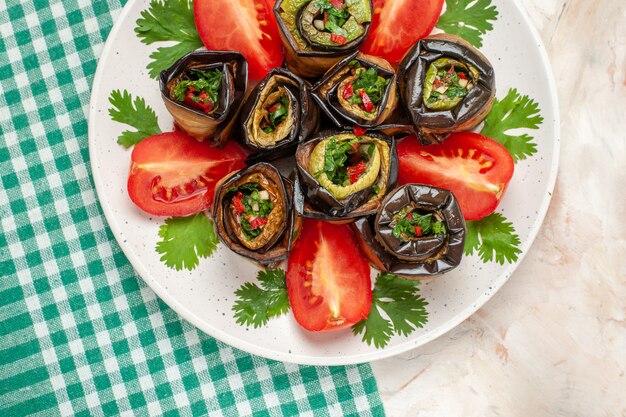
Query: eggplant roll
[418, 232]
[317, 34]
[204, 91]
[253, 213]
[278, 114]
[446, 85]
[359, 90]
[342, 176]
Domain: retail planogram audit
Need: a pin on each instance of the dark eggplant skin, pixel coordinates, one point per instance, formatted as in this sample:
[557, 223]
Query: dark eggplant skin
[278, 248]
[313, 201]
[313, 63]
[435, 126]
[217, 125]
[305, 112]
[326, 90]
[420, 258]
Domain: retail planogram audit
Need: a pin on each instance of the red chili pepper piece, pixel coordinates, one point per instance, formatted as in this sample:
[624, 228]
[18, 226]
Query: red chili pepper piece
[367, 103]
[348, 92]
[462, 75]
[258, 222]
[238, 204]
[273, 108]
[356, 171]
[337, 4]
[418, 231]
[359, 131]
[338, 38]
[409, 216]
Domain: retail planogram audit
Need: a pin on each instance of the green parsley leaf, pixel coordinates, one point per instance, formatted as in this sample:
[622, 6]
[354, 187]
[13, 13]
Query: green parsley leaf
[469, 19]
[494, 238]
[185, 240]
[397, 308]
[256, 305]
[169, 20]
[134, 113]
[513, 112]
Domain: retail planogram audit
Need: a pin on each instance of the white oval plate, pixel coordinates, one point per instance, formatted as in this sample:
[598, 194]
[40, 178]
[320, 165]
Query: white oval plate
[205, 296]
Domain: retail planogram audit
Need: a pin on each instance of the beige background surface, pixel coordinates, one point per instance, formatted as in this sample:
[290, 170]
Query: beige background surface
[552, 342]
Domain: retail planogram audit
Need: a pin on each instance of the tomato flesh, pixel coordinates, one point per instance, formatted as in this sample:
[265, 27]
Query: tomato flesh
[475, 168]
[246, 26]
[398, 24]
[328, 278]
[172, 174]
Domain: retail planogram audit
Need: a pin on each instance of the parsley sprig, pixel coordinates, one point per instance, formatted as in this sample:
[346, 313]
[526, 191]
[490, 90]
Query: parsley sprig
[257, 304]
[514, 111]
[185, 240]
[168, 20]
[397, 308]
[493, 237]
[135, 113]
[469, 19]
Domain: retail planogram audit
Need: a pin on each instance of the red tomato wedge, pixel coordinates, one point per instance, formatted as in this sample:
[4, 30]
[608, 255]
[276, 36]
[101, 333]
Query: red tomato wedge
[328, 278]
[172, 174]
[399, 24]
[246, 26]
[475, 168]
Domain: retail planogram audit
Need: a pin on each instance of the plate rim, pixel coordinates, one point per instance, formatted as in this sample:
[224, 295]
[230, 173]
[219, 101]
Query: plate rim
[333, 360]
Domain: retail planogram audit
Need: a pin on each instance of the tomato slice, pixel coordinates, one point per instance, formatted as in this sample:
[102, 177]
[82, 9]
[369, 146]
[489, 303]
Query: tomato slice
[172, 174]
[328, 278]
[399, 24]
[246, 26]
[475, 168]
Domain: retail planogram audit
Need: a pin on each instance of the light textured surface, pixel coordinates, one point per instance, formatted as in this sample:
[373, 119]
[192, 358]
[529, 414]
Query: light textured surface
[552, 341]
[80, 333]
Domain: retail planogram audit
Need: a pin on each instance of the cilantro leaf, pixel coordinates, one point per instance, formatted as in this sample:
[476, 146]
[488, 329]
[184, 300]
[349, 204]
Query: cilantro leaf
[469, 19]
[256, 305]
[404, 310]
[134, 113]
[513, 112]
[169, 20]
[494, 238]
[185, 240]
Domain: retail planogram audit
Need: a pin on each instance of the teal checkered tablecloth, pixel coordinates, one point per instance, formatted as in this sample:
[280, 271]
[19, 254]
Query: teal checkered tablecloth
[80, 333]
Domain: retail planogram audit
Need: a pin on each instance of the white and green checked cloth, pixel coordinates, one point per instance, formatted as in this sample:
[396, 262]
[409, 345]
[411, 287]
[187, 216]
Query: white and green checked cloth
[80, 333]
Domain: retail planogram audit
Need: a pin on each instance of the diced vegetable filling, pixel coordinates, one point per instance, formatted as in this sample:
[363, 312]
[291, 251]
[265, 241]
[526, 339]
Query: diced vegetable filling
[345, 162]
[409, 224]
[275, 114]
[332, 17]
[447, 82]
[367, 88]
[201, 90]
[451, 83]
[252, 206]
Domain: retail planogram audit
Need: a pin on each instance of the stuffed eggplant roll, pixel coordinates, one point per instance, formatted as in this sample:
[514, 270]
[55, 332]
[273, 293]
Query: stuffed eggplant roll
[253, 213]
[278, 115]
[317, 34]
[418, 232]
[446, 85]
[204, 91]
[359, 90]
[343, 176]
